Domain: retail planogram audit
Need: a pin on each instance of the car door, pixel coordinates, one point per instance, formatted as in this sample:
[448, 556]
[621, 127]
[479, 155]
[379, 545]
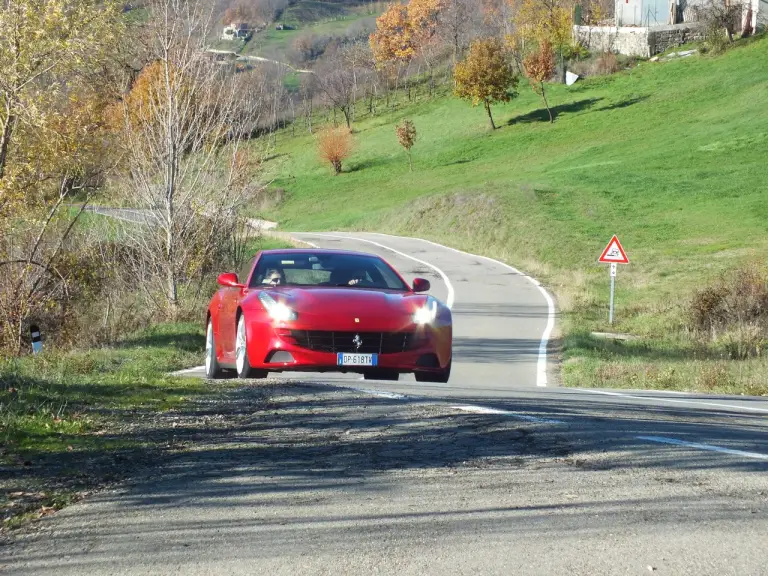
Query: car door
[226, 334]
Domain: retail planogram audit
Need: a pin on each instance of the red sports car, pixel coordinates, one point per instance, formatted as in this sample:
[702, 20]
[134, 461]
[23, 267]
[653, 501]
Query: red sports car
[327, 311]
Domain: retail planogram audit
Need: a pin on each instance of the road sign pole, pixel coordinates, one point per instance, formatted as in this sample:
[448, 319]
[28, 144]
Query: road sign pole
[613, 254]
[613, 286]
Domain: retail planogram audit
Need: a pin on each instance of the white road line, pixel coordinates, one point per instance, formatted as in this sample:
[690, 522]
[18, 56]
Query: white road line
[673, 401]
[437, 401]
[188, 370]
[451, 294]
[485, 410]
[709, 447]
[541, 368]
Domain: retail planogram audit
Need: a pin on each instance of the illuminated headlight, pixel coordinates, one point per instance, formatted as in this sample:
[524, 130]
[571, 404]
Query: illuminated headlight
[277, 310]
[428, 313]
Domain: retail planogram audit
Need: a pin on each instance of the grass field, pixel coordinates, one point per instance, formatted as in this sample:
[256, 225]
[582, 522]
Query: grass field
[669, 156]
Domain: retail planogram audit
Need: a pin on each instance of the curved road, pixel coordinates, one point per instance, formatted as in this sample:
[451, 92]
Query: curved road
[499, 471]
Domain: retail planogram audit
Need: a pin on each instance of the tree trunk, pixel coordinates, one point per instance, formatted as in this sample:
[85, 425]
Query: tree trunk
[490, 116]
[337, 167]
[171, 280]
[5, 138]
[346, 117]
[546, 104]
[410, 161]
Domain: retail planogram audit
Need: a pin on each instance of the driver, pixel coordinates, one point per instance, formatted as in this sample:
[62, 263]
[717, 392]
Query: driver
[274, 277]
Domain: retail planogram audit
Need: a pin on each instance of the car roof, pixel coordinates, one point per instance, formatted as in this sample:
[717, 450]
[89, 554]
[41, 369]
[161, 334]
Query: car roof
[317, 251]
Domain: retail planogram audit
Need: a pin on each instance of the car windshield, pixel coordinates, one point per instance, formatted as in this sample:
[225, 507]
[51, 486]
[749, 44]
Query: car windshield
[318, 269]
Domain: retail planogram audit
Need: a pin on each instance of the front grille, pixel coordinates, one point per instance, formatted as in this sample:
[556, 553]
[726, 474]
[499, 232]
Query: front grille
[372, 342]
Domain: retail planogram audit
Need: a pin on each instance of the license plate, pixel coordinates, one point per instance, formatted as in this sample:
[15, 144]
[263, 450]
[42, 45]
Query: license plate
[345, 359]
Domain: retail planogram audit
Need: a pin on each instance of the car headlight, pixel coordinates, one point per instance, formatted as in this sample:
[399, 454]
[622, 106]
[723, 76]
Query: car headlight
[426, 314]
[277, 310]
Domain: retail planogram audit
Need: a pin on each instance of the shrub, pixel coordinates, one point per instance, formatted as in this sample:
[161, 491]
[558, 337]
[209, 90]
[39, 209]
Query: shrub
[733, 312]
[607, 63]
[598, 64]
[335, 146]
[406, 135]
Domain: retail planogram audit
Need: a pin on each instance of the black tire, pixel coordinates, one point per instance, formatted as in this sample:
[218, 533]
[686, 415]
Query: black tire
[213, 370]
[441, 377]
[382, 375]
[244, 370]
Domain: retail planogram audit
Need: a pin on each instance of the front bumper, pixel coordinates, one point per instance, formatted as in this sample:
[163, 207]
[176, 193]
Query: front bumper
[270, 347]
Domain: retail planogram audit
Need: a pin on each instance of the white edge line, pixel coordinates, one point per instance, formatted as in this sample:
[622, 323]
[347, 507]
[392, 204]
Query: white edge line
[188, 370]
[541, 368]
[437, 401]
[709, 447]
[673, 401]
[486, 410]
[451, 294]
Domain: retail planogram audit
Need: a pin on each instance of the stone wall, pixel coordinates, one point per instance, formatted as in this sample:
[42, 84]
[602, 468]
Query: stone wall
[661, 38]
[635, 41]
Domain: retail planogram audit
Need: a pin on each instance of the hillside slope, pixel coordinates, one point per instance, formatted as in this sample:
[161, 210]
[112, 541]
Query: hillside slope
[669, 156]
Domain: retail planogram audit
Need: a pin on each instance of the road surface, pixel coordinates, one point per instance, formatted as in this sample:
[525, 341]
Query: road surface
[500, 471]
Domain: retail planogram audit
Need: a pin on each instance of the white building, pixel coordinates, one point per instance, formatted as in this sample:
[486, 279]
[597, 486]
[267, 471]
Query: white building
[650, 13]
[236, 31]
[647, 27]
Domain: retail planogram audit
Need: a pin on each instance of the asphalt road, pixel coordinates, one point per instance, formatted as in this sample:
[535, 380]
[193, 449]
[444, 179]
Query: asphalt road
[499, 471]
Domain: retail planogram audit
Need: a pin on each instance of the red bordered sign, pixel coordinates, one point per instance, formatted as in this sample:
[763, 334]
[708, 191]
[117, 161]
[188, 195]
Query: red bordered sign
[614, 253]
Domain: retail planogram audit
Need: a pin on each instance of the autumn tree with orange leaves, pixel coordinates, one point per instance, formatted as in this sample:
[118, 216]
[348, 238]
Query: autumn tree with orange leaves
[485, 76]
[540, 21]
[540, 67]
[403, 29]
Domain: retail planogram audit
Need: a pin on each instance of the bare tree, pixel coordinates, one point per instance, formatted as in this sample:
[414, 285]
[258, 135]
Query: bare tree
[337, 84]
[358, 59]
[455, 29]
[185, 121]
[720, 19]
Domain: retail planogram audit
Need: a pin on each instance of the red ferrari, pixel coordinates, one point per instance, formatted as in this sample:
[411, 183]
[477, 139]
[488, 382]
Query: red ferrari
[327, 311]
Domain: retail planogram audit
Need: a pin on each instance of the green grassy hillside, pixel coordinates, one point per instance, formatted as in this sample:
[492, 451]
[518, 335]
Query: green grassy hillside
[669, 156]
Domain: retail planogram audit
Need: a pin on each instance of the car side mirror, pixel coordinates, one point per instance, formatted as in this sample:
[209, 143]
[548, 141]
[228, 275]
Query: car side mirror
[229, 280]
[420, 285]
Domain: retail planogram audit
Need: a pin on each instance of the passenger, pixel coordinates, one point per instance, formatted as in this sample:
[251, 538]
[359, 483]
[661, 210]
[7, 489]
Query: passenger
[346, 277]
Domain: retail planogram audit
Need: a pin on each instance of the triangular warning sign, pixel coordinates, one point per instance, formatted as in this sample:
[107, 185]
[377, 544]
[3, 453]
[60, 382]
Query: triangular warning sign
[614, 253]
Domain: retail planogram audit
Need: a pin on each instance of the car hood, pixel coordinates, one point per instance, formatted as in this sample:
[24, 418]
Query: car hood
[357, 302]
[350, 300]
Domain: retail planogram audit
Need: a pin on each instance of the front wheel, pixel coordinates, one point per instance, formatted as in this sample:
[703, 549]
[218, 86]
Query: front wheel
[212, 368]
[441, 377]
[242, 362]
